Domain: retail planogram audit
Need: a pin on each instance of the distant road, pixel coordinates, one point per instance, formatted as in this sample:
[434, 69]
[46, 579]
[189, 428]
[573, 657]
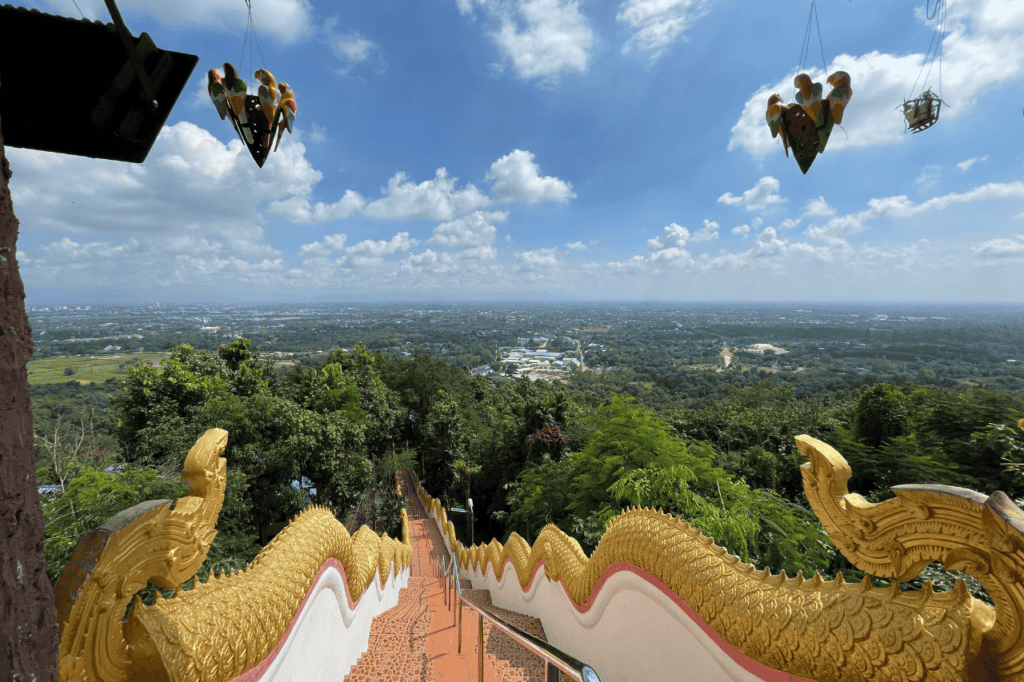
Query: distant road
[728, 357]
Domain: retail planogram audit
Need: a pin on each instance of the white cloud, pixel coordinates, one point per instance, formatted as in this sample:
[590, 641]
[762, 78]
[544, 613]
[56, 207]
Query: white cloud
[191, 216]
[298, 209]
[928, 177]
[789, 223]
[332, 242]
[818, 207]
[768, 244]
[575, 246]
[741, 229]
[658, 23]
[965, 165]
[707, 233]
[428, 261]
[1001, 248]
[350, 48]
[633, 265]
[319, 134]
[435, 199]
[757, 198]
[368, 248]
[474, 230]
[669, 247]
[182, 186]
[538, 259]
[542, 39]
[517, 178]
[900, 207]
[675, 235]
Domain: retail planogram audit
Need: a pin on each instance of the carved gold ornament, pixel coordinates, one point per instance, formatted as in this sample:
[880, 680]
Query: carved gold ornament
[826, 630]
[220, 628]
[965, 530]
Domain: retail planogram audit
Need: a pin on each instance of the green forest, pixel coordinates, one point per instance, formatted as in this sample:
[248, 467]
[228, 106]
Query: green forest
[714, 448]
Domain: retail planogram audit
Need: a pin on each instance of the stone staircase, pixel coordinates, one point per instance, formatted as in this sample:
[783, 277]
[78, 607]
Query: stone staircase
[398, 643]
[417, 641]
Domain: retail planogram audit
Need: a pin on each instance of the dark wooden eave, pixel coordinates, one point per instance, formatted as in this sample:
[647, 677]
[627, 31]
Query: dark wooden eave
[69, 86]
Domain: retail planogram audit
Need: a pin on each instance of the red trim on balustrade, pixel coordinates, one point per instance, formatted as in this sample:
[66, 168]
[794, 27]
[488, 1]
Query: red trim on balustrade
[257, 671]
[751, 665]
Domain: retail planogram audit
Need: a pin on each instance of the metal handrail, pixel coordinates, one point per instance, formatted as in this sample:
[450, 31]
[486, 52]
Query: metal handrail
[554, 658]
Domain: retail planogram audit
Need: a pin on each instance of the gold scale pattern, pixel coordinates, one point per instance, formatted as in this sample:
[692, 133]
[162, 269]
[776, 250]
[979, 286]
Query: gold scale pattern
[825, 630]
[225, 626]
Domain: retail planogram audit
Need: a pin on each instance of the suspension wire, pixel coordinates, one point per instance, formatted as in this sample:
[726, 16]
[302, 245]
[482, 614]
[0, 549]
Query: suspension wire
[79, 9]
[807, 38]
[805, 48]
[934, 45]
[941, 42]
[820, 44]
[250, 27]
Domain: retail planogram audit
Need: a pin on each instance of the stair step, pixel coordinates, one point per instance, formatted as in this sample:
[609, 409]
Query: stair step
[514, 662]
[391, 655]
[401, 637]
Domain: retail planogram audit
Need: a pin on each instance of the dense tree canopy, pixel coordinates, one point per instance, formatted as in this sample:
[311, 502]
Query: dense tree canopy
[713, 447]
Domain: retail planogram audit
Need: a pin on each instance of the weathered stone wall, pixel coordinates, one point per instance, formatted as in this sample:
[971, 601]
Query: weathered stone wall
[28, 617]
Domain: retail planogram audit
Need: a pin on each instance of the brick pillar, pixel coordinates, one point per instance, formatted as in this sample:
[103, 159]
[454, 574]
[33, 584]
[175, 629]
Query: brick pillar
[29, 639]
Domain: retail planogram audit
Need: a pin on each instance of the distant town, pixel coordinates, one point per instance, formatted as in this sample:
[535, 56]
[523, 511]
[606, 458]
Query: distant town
[555, 341]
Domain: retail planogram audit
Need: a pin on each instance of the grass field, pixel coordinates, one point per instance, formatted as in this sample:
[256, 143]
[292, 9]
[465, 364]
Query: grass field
[87, 368]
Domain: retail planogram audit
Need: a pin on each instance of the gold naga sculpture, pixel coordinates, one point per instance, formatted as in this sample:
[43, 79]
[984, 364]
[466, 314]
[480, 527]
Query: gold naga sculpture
[222, 627]
[826, 630]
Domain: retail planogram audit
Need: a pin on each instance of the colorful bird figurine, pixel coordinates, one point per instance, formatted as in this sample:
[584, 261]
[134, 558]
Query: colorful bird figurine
[840, 95]
[236, 90]
[288, 113]
[289, 108]
[808, 95]
[217, 92]
[774, 118]
[267, 94]
[774, 113]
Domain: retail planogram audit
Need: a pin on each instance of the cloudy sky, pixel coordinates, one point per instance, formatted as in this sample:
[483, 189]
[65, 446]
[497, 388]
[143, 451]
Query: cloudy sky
[549, 150]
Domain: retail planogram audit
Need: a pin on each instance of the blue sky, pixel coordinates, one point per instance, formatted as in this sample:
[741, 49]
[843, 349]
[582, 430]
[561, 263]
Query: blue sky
[549, 150]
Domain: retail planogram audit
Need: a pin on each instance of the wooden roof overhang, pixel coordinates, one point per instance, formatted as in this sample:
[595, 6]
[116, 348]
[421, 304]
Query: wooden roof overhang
[71, 86]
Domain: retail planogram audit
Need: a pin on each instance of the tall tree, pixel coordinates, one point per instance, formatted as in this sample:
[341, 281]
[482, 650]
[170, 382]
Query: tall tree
[444, 444]
[882, 413]
[28, 620]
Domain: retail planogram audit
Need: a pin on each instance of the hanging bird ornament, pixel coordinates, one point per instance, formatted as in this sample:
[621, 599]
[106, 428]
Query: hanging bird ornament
[806, 125]
[256, 118]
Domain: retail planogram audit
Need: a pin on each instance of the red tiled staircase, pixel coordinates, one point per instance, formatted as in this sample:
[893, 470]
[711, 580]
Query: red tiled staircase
[417, 641]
